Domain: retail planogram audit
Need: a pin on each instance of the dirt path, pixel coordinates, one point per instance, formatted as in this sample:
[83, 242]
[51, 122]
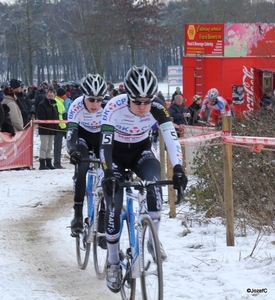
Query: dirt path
[46, 254]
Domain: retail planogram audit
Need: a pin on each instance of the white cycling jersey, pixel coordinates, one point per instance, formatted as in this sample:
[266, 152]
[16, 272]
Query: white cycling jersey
[79, 114]
[121, 125]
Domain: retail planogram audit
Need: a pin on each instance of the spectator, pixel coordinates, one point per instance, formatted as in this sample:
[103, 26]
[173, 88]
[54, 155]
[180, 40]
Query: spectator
[267, 108]
[160, 96]
[75, 92]
[267, 97]
[2, 116]
[110, 87]
[180, 114]
[47, 110]
[55, 85]
[68, 101]
[58, 138]
[7, 125]
[11, 100]
[177, 92]
[39, 96]
[194, 109]
[31, 92]
[114, 93]
[1, 93]
[121, 89]
[24, 103]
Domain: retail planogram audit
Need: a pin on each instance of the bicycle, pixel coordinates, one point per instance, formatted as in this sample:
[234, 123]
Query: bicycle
[93, 225]
[140, 255]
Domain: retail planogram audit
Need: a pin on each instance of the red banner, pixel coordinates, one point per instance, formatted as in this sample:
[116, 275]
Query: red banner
[204, 39]
[16, 152]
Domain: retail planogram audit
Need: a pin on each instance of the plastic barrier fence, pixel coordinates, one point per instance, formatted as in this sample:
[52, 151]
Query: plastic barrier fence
[16, 152]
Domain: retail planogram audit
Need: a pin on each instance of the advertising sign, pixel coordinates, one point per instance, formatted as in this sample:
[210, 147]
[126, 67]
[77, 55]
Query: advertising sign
[205, 39]
[249, 39]
[175, 75]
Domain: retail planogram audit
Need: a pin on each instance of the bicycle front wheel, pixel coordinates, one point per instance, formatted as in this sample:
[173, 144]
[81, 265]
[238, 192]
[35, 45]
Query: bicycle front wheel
[151, 274]
[128, 286]
[99, 240]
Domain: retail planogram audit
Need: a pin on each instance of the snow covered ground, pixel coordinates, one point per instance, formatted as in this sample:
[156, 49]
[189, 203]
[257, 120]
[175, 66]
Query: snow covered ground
[37, 254]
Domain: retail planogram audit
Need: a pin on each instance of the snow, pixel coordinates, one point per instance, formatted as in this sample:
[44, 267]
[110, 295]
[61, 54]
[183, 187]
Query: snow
[38, 261]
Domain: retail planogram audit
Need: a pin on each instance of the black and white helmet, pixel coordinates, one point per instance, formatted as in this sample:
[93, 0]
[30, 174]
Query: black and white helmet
[213, 94]
[93, 85]
[140, 82]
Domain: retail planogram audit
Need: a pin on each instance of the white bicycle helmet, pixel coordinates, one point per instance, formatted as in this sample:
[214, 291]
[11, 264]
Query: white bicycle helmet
[213, 94]
[140, 82]
[93, 85]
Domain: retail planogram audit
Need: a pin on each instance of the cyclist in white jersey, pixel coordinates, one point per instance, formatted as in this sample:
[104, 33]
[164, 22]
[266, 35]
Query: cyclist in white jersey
[125, 143]
[83, 135]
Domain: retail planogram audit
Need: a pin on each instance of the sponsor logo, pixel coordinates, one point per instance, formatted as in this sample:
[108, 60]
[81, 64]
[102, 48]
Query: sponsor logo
[135, 130]
[106, 127]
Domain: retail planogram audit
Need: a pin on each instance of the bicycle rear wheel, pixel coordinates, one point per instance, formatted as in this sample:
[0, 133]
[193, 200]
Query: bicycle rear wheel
[83, 246]
[99, 240]
[128, 287]
[151, 275]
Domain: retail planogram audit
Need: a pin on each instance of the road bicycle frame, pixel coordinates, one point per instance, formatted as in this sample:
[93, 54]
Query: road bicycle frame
[135, 223]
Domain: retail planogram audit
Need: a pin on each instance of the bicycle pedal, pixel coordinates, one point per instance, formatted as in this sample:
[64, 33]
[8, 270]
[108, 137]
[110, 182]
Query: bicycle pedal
[74, 234]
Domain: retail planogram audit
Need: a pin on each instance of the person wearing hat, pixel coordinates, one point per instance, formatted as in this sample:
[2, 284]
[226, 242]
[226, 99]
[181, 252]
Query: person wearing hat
[194, 108]
[121, 89]
[68, 101]
[10, 100]
[177, 92]
[61, 132]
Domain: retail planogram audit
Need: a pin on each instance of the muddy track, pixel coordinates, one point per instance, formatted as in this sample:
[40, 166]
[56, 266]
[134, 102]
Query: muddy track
[46, 254]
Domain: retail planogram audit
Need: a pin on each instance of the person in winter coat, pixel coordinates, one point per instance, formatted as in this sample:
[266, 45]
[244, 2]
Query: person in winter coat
[6, 125]
[61, 132]
[2, 115]
[39, 96]
[194, 109]
[24, 104]
[47, 110]
[180, 114]
[11, 100]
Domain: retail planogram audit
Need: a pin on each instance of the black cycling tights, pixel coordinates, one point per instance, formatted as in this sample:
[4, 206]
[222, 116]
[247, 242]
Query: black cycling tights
[147, 167]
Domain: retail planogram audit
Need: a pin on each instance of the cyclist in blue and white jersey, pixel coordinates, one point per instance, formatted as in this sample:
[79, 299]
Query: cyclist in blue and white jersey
[83, 135]
[125, 143]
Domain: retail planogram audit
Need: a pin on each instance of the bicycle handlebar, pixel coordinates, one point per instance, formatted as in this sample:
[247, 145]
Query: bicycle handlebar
[88, 159]
[145, 183]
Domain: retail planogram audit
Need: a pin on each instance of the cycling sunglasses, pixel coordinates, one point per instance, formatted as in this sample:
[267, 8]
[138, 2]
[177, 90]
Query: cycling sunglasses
[137, 102]
[93, 100]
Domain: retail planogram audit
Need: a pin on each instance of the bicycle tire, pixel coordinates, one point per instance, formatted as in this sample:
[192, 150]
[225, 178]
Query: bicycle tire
[100, 252]
[83, 247]
[152, 275]
[128, 287]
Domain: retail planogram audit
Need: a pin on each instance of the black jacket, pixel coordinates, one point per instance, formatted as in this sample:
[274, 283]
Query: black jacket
[47, 110]
[7, 125]
[40, 96]
[24, 108]
[194, 108]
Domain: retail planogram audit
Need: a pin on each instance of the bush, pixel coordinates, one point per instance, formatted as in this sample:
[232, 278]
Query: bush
[253, 176]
